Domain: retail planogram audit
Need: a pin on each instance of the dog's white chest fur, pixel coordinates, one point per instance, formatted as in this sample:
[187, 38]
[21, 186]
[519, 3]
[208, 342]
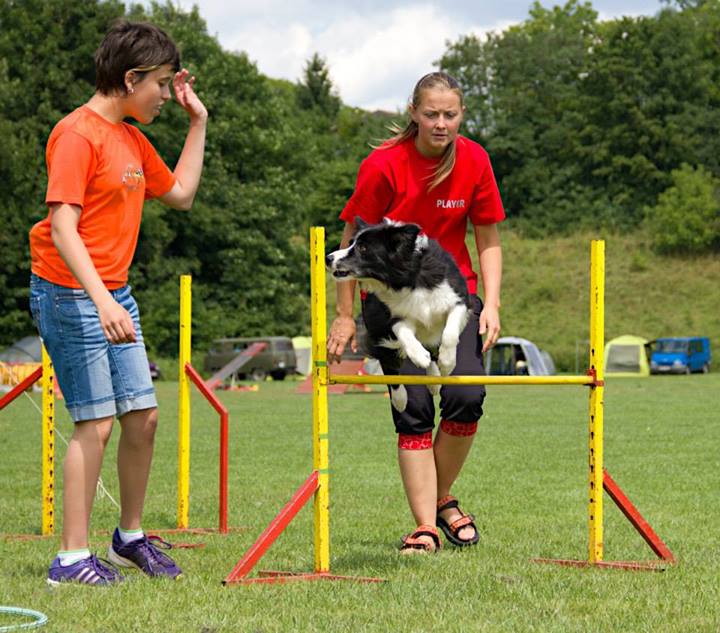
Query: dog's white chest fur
[427, 309]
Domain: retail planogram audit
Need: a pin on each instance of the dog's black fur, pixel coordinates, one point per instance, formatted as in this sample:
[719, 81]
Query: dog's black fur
[417, 301]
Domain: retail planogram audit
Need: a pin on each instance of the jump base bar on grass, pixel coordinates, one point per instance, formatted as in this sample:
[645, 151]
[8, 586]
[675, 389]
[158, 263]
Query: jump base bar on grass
[317, 485]
[239, 574]
[281, 577]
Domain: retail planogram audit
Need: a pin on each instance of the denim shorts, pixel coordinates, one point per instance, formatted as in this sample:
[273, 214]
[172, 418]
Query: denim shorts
[97, 379]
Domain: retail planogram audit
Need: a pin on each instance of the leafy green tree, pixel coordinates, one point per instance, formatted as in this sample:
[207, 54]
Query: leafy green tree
[686, 219]
[650, 106]
[46, 70]
[316, 90]
[584, 121]
[525, 106]
[271, 169]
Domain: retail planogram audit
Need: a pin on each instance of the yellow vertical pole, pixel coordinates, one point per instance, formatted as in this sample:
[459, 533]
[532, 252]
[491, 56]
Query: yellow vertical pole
[183, 510]
[320, 400]
[48, 445]
[597, 351]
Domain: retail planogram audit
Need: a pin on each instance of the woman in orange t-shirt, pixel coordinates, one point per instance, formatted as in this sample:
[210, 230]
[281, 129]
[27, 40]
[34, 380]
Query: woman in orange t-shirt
[100, 171]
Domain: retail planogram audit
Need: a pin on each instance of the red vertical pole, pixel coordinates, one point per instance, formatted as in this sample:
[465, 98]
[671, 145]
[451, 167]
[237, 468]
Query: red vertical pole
[220, 408]
[223, 471]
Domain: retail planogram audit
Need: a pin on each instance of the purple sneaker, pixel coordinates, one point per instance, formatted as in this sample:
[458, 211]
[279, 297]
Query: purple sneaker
[88, 571]
[144, 554]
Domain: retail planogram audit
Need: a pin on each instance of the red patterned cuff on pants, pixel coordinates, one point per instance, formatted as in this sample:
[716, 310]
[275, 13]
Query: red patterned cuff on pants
[415, 442]
[459, 429]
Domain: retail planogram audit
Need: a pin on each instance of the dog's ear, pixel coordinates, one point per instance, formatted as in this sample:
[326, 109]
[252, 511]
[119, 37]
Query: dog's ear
[402, 238]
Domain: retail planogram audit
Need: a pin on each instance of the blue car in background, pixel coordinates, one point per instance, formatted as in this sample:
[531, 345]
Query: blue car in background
[681, 355]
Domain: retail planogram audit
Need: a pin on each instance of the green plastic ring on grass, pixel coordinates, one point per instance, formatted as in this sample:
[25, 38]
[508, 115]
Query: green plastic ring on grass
[40, 618]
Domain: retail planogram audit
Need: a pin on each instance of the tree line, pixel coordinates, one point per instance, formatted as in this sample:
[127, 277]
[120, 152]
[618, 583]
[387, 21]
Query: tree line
[610, 123]
[588, 123]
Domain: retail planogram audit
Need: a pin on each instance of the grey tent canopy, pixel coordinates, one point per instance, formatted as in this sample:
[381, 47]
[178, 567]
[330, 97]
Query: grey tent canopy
[25, 350]
[513, 355]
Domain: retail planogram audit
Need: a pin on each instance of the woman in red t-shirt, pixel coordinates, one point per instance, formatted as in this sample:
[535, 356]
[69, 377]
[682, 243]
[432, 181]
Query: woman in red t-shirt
[430, 175]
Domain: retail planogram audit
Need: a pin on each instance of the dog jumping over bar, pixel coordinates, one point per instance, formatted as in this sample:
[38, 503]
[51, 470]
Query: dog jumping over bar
[417, 301]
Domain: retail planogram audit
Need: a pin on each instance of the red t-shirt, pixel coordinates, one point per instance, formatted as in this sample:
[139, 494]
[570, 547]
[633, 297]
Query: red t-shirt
[393, 183]
[109, 170]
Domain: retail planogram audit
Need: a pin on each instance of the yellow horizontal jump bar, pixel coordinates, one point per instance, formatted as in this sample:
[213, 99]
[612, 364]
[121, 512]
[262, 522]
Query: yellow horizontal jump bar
[338, 379]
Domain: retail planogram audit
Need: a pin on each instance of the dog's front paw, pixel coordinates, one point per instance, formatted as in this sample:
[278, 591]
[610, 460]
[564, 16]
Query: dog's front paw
[433, 370]
[447, 359]
[398, 397]
[419, 356]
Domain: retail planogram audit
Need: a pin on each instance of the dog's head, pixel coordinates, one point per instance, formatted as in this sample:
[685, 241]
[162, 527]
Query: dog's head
[377, 251]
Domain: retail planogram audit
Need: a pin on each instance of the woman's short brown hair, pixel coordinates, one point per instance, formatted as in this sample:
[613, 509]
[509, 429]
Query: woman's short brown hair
[135, 46]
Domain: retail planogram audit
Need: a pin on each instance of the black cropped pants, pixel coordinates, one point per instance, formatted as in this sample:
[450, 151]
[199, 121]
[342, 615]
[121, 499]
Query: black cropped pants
[458, 403]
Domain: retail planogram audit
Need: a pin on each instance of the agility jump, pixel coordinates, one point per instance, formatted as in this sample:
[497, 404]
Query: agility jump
[317, 484]
[187, 374]
[46, 376]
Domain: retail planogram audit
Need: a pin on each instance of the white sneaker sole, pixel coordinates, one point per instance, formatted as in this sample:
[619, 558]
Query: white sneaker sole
[119, 561]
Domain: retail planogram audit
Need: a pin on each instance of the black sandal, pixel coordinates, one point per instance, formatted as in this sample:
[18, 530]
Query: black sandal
[412, 542]
[451, 530]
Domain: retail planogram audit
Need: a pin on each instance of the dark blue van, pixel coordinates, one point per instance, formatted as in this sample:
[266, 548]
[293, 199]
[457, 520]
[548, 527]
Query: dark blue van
[681, 355]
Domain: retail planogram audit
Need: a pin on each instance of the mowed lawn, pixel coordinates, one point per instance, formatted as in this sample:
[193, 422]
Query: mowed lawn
[525, 481]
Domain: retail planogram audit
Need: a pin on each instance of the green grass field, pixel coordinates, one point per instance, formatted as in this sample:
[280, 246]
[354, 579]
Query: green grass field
[546, 292]
[525, 481]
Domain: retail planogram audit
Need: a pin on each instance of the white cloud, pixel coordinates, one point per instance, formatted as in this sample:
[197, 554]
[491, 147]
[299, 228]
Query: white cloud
[375, 52]
[376, 49]
[375, 61]
[376, 66]
[278, 51]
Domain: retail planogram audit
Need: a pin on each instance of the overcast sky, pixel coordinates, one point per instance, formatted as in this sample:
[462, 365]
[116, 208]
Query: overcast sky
[376, 50]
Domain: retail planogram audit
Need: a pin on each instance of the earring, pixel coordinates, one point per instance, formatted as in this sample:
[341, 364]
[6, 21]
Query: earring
[131, 90]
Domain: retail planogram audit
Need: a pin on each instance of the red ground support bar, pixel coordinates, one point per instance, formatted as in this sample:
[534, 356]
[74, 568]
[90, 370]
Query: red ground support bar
[632, 514]
[629, 565]
[20, 387]
[220, 408]
[281, 577]
[272, 531]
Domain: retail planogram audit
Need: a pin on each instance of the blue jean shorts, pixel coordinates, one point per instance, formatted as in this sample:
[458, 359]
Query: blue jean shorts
[97, 379]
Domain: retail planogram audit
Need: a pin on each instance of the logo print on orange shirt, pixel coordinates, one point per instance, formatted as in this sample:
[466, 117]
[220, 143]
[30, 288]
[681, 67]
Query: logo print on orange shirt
[133, 178]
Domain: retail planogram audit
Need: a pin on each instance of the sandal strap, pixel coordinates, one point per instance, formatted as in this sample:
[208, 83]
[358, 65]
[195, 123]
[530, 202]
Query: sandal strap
[413, 540]
[447, 502]
[463, 521]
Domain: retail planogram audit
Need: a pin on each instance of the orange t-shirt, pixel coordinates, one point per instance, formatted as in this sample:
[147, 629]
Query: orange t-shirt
[109, 170]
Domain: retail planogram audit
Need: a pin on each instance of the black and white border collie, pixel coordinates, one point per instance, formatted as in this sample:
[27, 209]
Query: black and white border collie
[417, 303]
